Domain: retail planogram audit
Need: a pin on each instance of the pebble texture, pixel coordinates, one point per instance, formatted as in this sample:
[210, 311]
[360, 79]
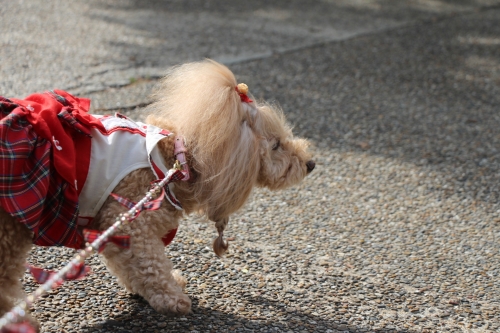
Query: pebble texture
[396, 230]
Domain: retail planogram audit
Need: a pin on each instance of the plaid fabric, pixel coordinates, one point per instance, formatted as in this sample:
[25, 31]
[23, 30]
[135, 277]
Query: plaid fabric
[66, 116]
[23, 327]
[178, 175]
[173, 200]
[121, 241]
[61, 99]
[31, 188]
[77, 272]
[38, 183]
[151, 205]
[42, 275]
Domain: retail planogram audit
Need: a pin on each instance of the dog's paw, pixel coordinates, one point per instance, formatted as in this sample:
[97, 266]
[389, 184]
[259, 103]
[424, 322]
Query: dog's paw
[181, 280]
[177, 304]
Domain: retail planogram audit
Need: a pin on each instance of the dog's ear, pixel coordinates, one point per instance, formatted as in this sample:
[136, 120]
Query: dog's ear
[264, 146]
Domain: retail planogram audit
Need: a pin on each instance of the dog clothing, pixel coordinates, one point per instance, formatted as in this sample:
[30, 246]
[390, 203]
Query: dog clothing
[59, 163]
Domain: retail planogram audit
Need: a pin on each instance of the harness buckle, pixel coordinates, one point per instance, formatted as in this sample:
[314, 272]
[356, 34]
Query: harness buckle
[177, 165]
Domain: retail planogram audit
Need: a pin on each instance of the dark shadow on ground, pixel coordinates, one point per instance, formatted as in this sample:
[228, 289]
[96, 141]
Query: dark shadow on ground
[205, 319]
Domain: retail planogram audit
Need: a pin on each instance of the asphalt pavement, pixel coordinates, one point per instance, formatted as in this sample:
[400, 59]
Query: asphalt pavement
[398, 227]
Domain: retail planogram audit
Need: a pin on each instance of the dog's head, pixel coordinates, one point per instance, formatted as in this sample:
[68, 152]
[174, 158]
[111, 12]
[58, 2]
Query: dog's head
[236, 143]
[284, 159]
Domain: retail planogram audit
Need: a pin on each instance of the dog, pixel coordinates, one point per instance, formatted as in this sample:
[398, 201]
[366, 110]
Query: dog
[228, 144]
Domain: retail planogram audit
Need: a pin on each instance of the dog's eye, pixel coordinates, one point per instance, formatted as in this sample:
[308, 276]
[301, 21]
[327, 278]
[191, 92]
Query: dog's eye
[276, 145]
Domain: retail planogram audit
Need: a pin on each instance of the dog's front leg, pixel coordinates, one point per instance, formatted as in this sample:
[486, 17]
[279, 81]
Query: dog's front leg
[144, 269]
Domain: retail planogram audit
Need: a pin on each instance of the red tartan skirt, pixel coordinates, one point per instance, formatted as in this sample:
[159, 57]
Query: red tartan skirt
[31, 190]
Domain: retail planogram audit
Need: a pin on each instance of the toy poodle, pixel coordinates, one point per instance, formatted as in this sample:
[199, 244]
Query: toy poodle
[60, 165]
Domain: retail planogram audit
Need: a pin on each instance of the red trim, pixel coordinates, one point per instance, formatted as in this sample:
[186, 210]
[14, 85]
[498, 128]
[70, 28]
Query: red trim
[165, 132]
[157, 170]
[125, 128]
[169, 237]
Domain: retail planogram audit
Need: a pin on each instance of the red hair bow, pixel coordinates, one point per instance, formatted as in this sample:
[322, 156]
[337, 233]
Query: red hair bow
[242, 90]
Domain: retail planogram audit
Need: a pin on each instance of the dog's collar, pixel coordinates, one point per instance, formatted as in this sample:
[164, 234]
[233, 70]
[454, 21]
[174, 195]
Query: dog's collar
[180, 156]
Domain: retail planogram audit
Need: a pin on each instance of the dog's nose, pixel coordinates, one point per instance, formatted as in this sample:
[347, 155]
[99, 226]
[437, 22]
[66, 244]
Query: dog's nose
[310, 166]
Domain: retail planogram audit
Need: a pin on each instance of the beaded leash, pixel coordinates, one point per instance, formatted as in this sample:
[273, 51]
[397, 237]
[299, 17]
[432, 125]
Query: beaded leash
[18, 312]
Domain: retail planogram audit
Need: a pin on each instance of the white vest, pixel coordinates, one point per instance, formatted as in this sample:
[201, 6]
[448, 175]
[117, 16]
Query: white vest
[126, 146]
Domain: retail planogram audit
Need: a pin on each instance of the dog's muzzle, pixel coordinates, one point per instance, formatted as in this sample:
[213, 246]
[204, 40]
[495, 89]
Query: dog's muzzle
[310, 166]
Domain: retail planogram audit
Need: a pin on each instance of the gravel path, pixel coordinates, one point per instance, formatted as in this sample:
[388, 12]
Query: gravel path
[396, 230]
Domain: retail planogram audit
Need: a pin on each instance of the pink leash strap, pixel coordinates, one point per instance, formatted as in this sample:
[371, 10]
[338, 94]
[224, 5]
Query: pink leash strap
[179, 153]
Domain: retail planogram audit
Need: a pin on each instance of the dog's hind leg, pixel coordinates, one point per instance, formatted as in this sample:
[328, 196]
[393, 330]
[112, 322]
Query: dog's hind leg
[15, 243]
